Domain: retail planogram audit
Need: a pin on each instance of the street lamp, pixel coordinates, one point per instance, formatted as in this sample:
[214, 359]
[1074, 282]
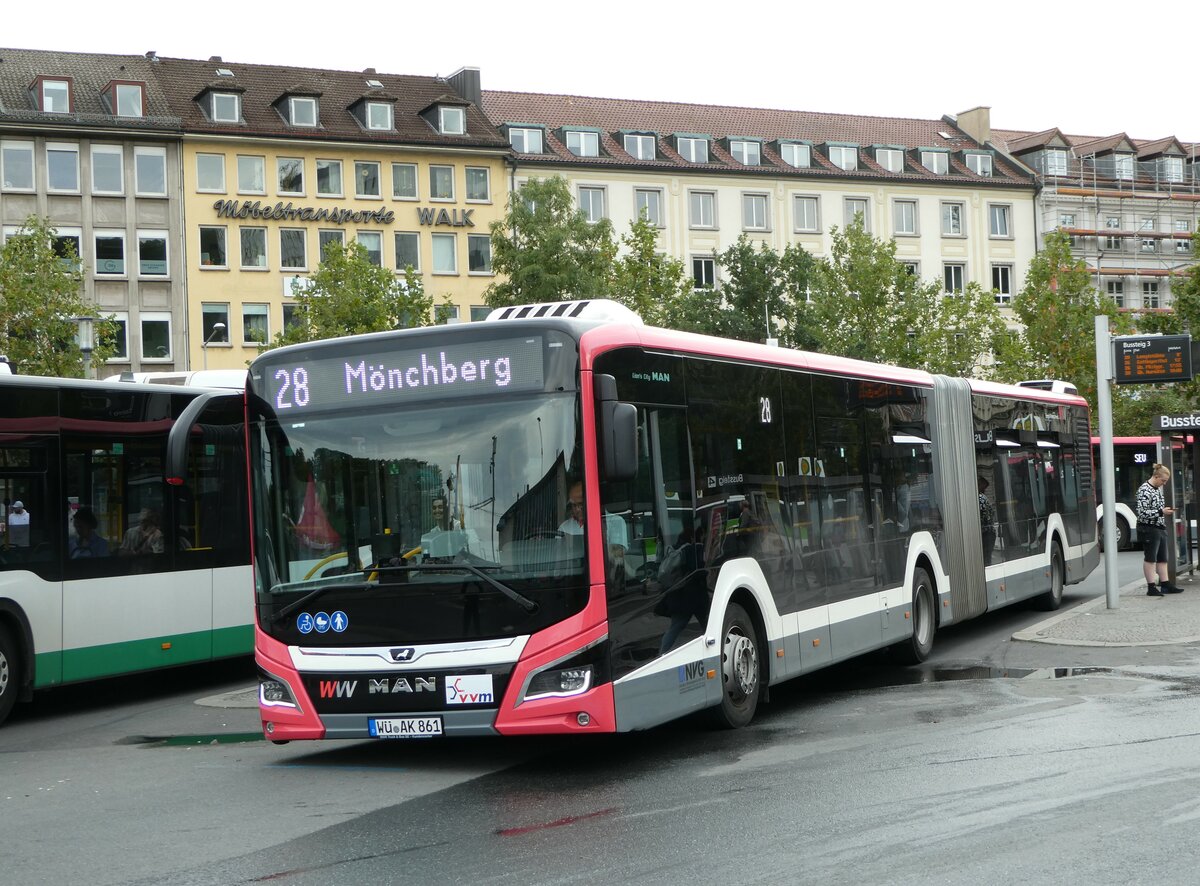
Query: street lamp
[217, 327]
[85, 338]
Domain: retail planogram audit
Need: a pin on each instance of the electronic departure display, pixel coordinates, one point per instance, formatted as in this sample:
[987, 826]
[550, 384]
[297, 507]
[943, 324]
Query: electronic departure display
[1144, 359]
[391, 376]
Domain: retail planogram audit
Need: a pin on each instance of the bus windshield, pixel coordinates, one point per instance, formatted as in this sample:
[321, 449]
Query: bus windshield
[443, 522]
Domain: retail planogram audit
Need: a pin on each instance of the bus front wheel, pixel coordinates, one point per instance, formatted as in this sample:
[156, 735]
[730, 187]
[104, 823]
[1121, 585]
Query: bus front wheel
[741, 675]
[1052, 599]
[10, 673]
[916, 648]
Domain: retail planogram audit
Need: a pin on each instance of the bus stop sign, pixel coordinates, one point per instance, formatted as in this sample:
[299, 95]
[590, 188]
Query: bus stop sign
[1143, 359]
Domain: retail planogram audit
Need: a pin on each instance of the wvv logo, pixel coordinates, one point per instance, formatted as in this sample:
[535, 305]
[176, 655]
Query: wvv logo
[337, 688]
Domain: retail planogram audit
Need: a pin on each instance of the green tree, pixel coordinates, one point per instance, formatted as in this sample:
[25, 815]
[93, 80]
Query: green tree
[545, 249]
[40, 300]
[645, 280]
[348, 295]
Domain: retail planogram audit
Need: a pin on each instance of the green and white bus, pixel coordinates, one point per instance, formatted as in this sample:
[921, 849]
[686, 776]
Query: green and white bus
[107, 568]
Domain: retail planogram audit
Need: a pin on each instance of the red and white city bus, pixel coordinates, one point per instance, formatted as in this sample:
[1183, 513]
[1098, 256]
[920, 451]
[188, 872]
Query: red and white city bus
[560, 520]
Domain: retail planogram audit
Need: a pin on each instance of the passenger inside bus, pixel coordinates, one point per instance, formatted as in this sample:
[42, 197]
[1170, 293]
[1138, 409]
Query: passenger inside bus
[144, 538]
[85, 542]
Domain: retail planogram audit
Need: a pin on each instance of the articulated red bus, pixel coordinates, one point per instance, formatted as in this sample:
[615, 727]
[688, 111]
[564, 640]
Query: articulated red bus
[561, 520]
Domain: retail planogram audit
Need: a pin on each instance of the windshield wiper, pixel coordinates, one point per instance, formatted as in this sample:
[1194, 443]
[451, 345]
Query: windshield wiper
[319, 592]
[524, 602]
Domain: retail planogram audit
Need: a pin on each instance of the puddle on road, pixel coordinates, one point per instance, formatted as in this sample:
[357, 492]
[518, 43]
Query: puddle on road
[192, 740]
[881, 678]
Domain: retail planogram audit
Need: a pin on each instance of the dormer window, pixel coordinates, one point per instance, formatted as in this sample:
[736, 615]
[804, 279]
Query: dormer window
[452, 121]
[937, 162]
[980, 164]
[1172, 169]
[54, 95]
[747, 153]
[844, 157]
[226, 107]
[891, 159]
[1123, 166]
[302, 111]
[379, 115]
[640, 147]
[694, 150]
[525, 140]
[583, 144]
[796, 155]
[129, 99]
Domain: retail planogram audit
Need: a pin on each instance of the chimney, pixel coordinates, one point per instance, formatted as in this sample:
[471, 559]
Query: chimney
[465, 81]
[152, 55]
[370, 72]
[215, 59]
[976, 123]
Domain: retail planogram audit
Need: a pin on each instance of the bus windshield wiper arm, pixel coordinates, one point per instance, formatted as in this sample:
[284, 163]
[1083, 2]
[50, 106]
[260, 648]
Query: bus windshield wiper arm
[524, 602]
[319, 592]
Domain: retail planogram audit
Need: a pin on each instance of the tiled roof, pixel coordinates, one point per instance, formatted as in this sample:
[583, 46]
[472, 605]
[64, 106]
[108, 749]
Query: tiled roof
[1168, 145]
[1103, 145]
[614, 116]
[262, 85]
[89, 74]
[1013, 140]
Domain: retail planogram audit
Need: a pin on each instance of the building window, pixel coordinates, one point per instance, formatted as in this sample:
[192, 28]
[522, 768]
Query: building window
[293, 249]
[1149, 244]
[366, 180]
[404, 181]
[1066, 220]
[445, 313]
[1002, 283]
[212, 247]
[1183, 238]
[152, 253]
[999, 219]
[980, 164]
[1113, 222]
[479, 254]
[254, 324]
[56, 96]
[747, 153]
[858, 209]
[479, 184]
[806, 214]
[952, 274]
[226, 107]
[121, 339]
[302, 111]
[1113, 244]
[905, 217]
[844, 157]
[754, 212]
[379, 115]
[525, 141]
[68, 246]
[452, 121]
[591, 203]
[1056, 161]
[110, 253]
[1173, 169]
[640, 147]
[329, 178]
[702, 209]
[210, 173]
[1116, 291]
[796, 155]
[1149, 294]
[479, 312]
[408, 251]
[290, 175]
[445, 253]
[937, 162]
[156, 336]
[583, 144]
[150, 172]
[890, 159]
[1123, 166]
[16, 165]
[649, 205]
[326, 238]
[254, 248]
[62, 167]
[441, 182]
[372, 242]
[952, 220]
[108, 169]
[694, 150]
[128, 99]
[912, 268]
[251, 174]
[291, 315]
[704, 273]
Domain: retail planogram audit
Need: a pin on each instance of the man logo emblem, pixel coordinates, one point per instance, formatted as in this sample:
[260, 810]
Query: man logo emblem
[406, 653]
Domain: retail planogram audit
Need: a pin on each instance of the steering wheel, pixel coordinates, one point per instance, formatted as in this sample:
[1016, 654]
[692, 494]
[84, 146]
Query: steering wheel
[543, 533]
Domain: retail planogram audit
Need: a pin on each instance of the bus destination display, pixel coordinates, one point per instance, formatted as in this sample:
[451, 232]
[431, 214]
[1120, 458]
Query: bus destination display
[399, 376]
[1152, 358]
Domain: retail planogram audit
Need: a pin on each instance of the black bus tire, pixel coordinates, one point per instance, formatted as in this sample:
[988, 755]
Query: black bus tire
[1052, 599]
[916, 648]
[10, 673]
[740, 669]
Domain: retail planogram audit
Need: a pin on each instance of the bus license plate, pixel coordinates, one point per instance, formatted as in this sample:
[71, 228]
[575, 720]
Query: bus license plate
[405, 727]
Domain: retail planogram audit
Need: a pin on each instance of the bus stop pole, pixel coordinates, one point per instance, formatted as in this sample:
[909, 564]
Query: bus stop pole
[1108, 491]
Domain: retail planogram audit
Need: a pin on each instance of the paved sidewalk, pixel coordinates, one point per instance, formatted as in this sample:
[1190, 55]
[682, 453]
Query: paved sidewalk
[1138, 620]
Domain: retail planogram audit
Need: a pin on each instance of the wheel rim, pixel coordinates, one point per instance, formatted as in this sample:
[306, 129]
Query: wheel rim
[922, 611]
[4, 675]
[739, 665]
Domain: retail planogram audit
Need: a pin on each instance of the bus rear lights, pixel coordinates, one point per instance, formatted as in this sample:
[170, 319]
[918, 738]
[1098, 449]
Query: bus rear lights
[560, 683]
[275, 694]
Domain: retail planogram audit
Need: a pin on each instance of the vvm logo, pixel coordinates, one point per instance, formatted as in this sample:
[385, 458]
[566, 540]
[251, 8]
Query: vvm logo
[472, 689]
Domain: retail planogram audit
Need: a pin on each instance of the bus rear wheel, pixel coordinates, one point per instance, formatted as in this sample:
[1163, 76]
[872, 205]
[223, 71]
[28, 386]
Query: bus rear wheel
[10, 673]
[916, 648]
[741, 675]
[1052, 599]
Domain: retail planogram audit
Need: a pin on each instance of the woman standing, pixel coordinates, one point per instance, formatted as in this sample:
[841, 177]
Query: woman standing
[1152, 529]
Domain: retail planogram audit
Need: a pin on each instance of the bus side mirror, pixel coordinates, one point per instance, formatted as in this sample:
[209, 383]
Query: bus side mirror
[617, 428]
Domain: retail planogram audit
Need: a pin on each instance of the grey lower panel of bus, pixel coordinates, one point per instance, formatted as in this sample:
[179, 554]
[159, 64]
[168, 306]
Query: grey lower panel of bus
[454, 723]
[663, 695]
